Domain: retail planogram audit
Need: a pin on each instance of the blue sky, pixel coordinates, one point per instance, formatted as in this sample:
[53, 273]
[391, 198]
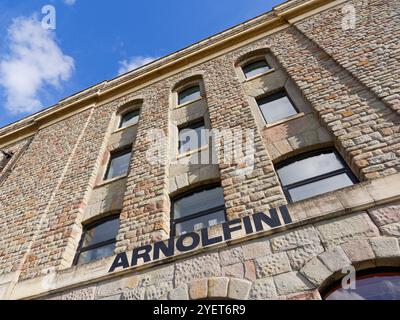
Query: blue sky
[96, 40]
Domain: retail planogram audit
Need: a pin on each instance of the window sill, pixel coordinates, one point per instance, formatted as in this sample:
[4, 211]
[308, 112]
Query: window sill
[187, 103]
[259, 75]
[288, 119]
[189, 153]
[124, 128]
[109, 181]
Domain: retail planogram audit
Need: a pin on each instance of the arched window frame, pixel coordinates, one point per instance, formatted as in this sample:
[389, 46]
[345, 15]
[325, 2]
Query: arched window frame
[129, 107]
[346, 169]
[184, 85]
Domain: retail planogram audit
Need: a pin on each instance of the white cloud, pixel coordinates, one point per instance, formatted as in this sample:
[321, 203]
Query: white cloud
[69, 2]
[33, 61]
[134, 63]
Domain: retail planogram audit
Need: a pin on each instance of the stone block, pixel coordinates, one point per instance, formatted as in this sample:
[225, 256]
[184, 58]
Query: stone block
[234, 270]
[294, 239]
[391, 229]
[335, 259]
[349, 227]
[179, 293]
[358, 251]
[198, 289]
[218, 287]
[239, 289]
[231, 256]
[315, 271]
[256, 249]
[291, 282]
[300, 256]
[385, 247]
[272, 265]
[263, 289]
[386, 214]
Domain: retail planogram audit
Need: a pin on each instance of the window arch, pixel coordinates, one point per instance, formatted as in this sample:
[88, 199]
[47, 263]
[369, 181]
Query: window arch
[313, 173]
[254, 64]
[188, 91]
[370, 284]
[198, 208]
[128, 114]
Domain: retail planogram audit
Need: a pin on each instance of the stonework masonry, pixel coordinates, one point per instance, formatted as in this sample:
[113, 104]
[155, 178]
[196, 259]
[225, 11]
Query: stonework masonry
[346, 84]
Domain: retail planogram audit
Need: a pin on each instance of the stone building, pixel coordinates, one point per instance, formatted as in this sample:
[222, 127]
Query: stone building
[106, 195]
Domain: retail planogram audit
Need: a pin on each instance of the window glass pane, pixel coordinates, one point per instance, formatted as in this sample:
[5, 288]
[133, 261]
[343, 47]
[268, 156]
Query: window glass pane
[189, 94]
[96, 254]
[276, 107]
[198, 202]
[192, 138]
[119, 164]
[129, 118]
[310, 167]
[200, 222]
[102, 232]
[319, 187]
[377, 287]
[255, 68]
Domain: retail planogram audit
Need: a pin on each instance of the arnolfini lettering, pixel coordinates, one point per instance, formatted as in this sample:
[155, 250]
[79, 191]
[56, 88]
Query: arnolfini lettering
[191, 241]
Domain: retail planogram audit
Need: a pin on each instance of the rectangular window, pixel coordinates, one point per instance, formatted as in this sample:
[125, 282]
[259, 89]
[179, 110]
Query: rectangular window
[189, 94]
[255, 68]
[198, 210]
[313, 174]
[98, 240]
[129, 118]
[276, 107]
[192, 137]
[118, 164]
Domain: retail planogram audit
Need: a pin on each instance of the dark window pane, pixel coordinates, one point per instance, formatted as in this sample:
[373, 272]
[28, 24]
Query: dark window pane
[119, 164]
[200, 222]
[96, 254]
[276, 107]
[129, 118]
[375, 287]
[255, 68]
[310, 167]
[189, 94]
[102, 232]
[198, 202]
[192, 138]
[319, 187]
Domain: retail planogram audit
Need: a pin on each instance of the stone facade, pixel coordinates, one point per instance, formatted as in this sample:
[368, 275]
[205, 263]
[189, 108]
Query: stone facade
[345, 84]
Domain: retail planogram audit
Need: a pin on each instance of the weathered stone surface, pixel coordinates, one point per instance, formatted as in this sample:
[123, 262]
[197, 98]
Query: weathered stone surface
[256, 249]
[134, 294]
[315, 271]
[231, 256]
[239, 289]
[81, 294]
[294, 239]
[179, 293]
[335, 259]
[343, 229]
[391, 229]
[157, 292]
[218, 287]
[202, 266]
[109, 288]
[291, 282]
[309, 295]
[234, 270]
[385, 214]
[272, 265]
[263, 289]
[385, 247]
[198, 289]
[358, 250]
[300, 256]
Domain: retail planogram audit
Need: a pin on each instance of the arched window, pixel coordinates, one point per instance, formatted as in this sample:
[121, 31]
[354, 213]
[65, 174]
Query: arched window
[314, 173]
[129, 118]
[189, 94]
[198, 209]
[374, 284]
[255, 68]
[98, 240]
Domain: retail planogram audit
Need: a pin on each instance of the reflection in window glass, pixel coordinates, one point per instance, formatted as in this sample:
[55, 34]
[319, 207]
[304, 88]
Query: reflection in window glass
[98, 241]
[313, 174]
[197, 210]
[255, 68]
[119, 164]
[380, 286]
[189, 94]
[276, 107]
[129, 119]
[192, 137]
